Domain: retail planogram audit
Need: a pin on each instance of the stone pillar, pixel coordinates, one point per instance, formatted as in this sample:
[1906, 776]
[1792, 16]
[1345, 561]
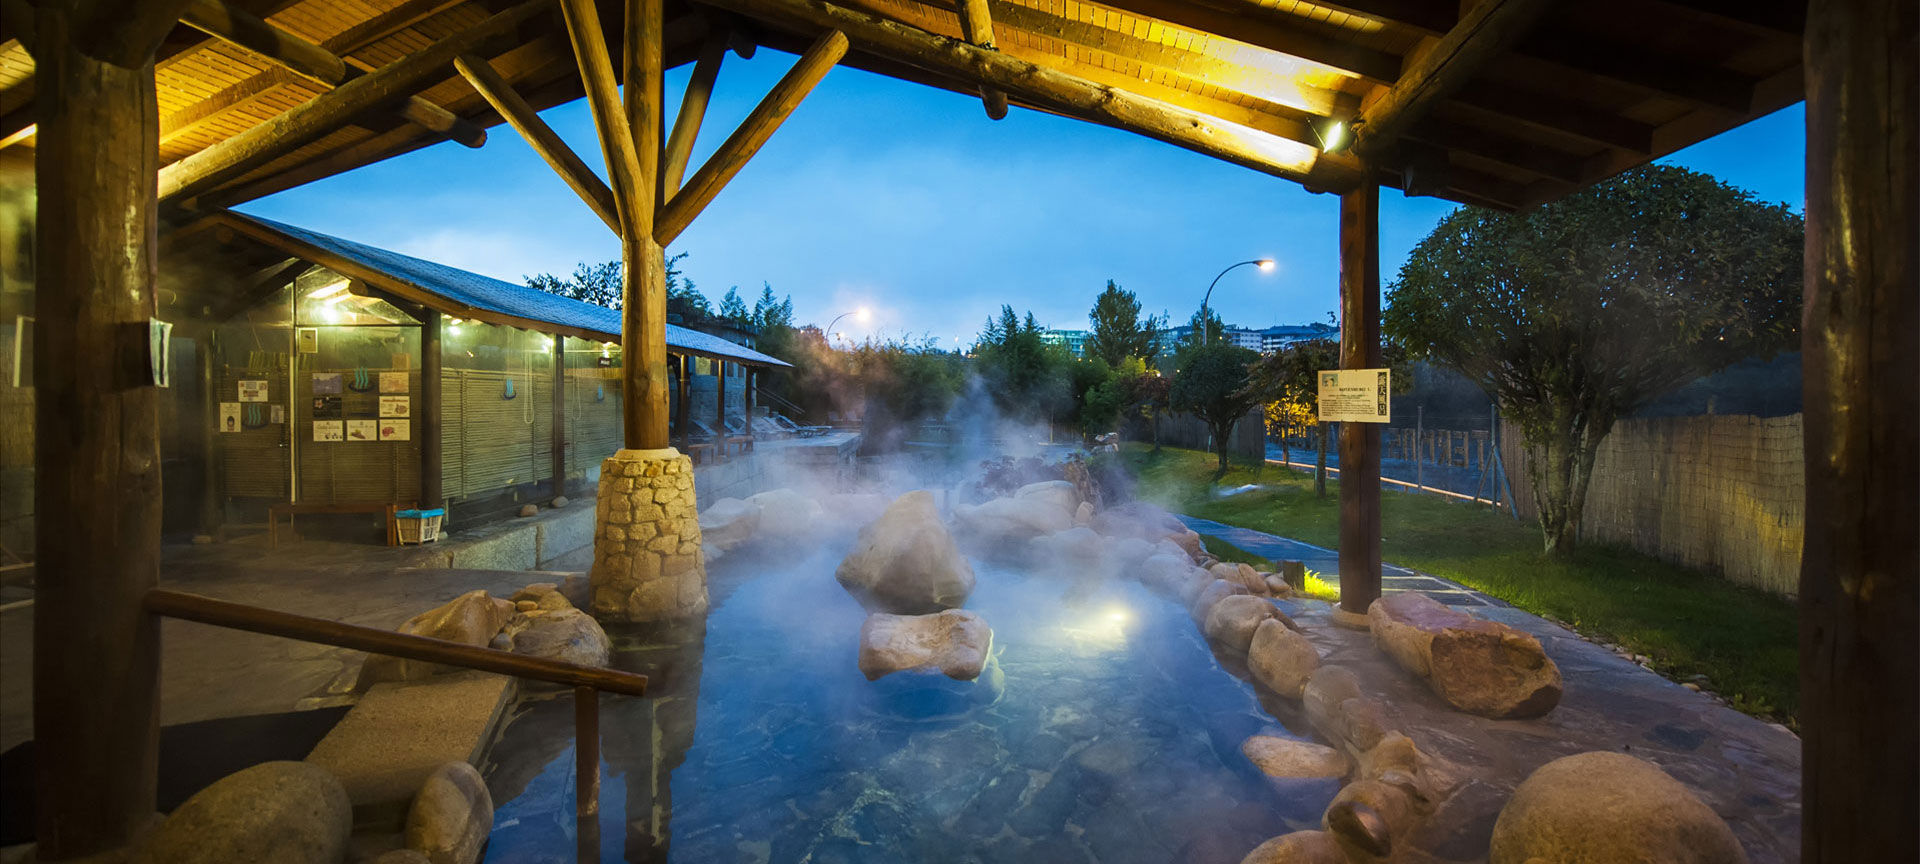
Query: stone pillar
[647, 563]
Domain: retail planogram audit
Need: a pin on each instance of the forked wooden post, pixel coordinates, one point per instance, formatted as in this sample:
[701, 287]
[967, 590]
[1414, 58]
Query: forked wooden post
[1860, 566]
[644, 317]
[1359, 442]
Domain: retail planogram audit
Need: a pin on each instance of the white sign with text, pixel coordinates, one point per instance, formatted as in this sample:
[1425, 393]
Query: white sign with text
[1355, 396]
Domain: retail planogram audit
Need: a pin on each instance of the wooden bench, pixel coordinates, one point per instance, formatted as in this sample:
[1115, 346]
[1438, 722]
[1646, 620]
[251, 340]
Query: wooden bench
[698, 452]
[290, 510]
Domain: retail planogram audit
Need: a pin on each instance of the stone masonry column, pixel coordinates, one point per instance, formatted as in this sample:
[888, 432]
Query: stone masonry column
[647, 564]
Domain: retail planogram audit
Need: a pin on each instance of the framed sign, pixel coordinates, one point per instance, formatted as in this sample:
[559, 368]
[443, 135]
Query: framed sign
[1356, 396]
[229, 416]
[395, 406]
[253, 391]
[394, 430]
[306, 340]
[393, 382]
[326, 382]
[363, 430]
[329, 430]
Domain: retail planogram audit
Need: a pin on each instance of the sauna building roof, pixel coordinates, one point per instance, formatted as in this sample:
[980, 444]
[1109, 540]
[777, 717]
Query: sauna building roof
[1577, 93]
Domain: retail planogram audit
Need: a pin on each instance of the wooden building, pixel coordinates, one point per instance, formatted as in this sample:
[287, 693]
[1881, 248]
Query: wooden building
[313, 354]
[173, 109]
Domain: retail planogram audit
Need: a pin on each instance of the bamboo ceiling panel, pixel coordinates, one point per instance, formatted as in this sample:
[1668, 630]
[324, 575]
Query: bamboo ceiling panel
[1585, 91]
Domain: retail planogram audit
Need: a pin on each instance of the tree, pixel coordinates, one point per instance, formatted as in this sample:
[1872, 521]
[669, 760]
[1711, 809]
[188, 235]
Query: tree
[1212, 385]
[733, 310]
[1287, 381]
[1582, 311]
[1210, 331]
[684, 301]
[1118, 331]
[1026, 376]
[1144, 392]
[599, 284]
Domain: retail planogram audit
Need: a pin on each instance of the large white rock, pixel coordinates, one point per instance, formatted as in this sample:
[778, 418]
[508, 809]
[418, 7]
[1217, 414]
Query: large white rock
[1287, 758]
[955, 643]
[1595, 808]
[451, 815]
[1171, 572]
[280, 812]
[471, 618]
[1060, 493]
[906, 562]
[1005, 522]
[1210, 594]
[786, 515]
[729, 522]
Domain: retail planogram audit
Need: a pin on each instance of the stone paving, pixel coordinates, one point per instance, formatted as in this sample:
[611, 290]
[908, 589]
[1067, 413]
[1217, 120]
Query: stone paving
[1326, 564]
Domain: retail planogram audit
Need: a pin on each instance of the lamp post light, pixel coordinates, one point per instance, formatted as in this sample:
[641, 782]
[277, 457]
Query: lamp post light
[861, 314]
[1265, 264]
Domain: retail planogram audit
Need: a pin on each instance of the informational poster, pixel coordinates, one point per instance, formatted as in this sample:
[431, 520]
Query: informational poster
[326, 383]
[229, 416]
[307, 340]
[278, 414]
[395, 406]
[329, 430]
[326, 407]
[394, 430]
[253, 391]
[363, 430]
[393, 382]
[1356, 396]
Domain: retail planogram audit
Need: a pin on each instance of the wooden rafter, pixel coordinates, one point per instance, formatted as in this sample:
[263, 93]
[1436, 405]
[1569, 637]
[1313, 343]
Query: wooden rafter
[1275, 31]
[1486, 30]
[753, 132]
[1061, 92]
[540, 137]
[693, 110]
[315, 63]
[261, 144]
[976, 26]
[603, 101]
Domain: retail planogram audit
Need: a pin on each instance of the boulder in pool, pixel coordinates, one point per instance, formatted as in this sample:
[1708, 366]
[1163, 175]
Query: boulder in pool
[1477, 666]
[955, 643]
[1059, 493]
[1233, 620]
[284, 812]
[568, 635]
[1209, 595]
[1004, 521]
[786, 515]
[470, 619]
[1281, 659]
[1606, 806]
[906, 562]
[1169, 571]
[1290, 759]
[728, 522]
[451, 815]
[1300, 847]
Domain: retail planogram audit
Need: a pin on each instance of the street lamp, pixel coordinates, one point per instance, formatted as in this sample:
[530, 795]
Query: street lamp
[1262, 263]
[861, 314]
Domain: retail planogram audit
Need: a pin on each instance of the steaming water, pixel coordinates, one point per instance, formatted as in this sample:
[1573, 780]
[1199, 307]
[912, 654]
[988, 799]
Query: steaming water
[1103, 730]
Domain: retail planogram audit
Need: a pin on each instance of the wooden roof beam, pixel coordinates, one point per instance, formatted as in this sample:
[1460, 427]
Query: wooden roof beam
[1485, 31]
[1527, 156]
[315, 63]
[1710, 86]
[234, 157]
[1275, 31]
[753, 133]
[603, 101]
[976, 26]
[1059, 91]
[1546, 112]
[693, 111]
[541, 137]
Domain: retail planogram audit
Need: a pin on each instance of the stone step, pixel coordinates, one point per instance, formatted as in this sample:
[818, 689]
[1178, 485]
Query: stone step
[400, 732]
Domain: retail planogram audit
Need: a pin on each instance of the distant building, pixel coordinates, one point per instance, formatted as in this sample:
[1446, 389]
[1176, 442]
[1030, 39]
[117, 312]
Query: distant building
[1075, 340]
[1267, 340]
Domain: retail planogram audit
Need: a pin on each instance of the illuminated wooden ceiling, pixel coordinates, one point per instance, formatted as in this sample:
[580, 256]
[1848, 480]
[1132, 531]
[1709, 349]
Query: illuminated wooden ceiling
[1586, 91]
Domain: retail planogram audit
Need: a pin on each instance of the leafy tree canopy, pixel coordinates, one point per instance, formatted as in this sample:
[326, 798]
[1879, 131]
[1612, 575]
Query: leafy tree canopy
[1212, 385]
[1118, 331]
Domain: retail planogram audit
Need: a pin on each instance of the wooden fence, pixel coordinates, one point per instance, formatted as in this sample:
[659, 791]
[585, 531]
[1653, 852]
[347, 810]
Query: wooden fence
[1721, 492]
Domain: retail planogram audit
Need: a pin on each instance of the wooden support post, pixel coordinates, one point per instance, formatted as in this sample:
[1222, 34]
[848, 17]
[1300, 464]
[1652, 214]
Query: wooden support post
[432, 350]
[500, 94]
[720, 398]
[1068, 94]
[686, 392]
[643, 319]
[747, 392]
[586, 751]
[1860, 565]
[976, 24]
[752, 134]
[97, 503]
[234, 157]
[1485, 31]
[1359, 442]
[693, 110]
[559, 415]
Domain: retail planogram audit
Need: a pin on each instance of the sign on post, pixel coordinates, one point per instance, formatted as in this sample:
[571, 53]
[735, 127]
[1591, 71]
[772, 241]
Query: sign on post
[1356, 396]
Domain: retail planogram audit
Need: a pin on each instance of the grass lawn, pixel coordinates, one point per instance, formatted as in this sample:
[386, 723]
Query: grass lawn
[1688, 621]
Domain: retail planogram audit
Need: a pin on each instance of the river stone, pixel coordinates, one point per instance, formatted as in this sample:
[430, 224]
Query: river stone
[1083, 514]
[1300, 847]
[1477, 666]
[955, 642]
[1291, 759]
[1233, 620]
[451, 815]
[728, 522]
[471, 619]
[1004, 521]
[568, 635]
[906, 562]
[785, 515]
[1602, 807]
[1210, 594]
[1169, 571]
[1059, 493]
[278, 812]
[1281, 659]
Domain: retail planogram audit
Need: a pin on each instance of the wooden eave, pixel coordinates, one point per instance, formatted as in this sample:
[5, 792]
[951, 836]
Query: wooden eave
[1587, 91]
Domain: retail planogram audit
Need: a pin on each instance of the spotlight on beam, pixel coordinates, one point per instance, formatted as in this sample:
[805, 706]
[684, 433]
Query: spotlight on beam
[1334, 134]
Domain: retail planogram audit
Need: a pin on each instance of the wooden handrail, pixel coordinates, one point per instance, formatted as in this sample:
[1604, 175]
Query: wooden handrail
[239, 616]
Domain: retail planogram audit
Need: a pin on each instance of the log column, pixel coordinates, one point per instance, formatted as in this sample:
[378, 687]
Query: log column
[1860, 566]
[432, 334]
[559, 415]
[1359, 442]
[97, 504]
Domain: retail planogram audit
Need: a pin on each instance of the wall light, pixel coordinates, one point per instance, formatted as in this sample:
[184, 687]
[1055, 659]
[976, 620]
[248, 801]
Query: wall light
[1334, 134]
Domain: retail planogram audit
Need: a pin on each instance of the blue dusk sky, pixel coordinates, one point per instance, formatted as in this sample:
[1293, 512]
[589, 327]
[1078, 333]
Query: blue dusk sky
[908, 200]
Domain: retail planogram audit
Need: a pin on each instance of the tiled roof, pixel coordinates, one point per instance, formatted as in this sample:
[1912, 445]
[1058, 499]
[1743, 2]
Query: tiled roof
[467, 290]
